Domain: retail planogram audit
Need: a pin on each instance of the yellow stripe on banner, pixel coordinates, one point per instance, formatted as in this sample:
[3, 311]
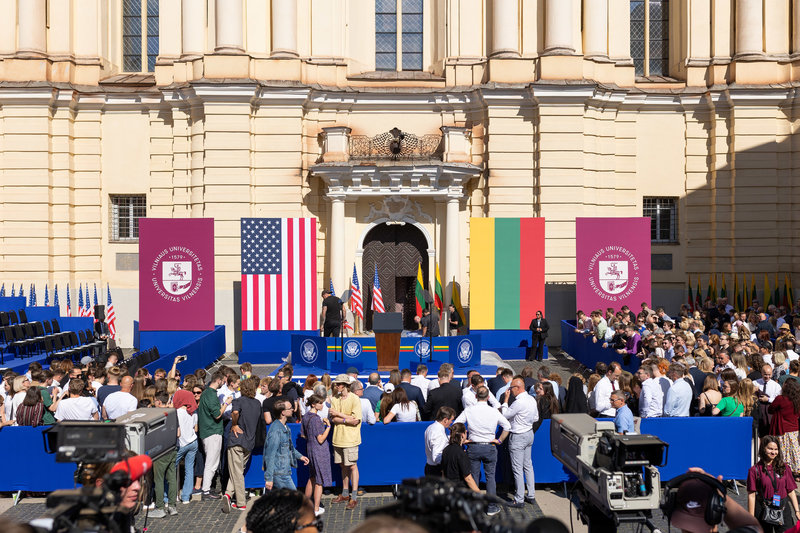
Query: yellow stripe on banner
[481, 273]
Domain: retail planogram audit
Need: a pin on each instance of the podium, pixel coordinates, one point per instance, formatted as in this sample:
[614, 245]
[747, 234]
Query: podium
[387, 328]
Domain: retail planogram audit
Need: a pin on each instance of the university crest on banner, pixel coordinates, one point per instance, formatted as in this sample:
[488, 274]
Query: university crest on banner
[612, 271]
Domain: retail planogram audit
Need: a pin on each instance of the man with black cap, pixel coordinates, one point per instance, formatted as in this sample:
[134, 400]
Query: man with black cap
[695, 508]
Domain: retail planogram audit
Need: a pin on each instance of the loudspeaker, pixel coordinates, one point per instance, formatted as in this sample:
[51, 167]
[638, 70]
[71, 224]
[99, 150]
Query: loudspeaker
[100, 312]
[387, 322]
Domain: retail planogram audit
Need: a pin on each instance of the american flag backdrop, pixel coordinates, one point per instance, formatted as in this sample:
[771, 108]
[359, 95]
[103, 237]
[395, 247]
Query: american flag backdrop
[279, 274]
[111, 317]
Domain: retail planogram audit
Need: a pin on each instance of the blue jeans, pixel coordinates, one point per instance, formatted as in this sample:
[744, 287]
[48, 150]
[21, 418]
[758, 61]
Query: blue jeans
[283, 481]
[485, 454]
[188, 452]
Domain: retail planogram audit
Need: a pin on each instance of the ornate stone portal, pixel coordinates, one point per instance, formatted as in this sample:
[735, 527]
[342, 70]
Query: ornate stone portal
[398, 187]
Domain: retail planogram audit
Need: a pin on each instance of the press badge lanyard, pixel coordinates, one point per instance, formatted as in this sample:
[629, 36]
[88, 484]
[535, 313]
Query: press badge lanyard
[776, 499]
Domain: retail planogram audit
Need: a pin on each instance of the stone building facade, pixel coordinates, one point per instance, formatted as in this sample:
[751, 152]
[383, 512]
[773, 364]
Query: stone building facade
[394, 122]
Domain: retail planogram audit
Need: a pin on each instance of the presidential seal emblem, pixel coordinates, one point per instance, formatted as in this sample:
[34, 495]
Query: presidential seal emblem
[423, 348]
[308, 351]
[352, 349]
[465, 351]
[177, 273]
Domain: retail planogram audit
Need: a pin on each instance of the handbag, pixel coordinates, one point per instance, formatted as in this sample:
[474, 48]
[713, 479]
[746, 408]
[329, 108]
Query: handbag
[770, 514]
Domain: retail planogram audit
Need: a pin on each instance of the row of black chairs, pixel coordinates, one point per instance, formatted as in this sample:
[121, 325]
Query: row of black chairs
[74, 346]
[140, 359]
[35, 338]
[9, 318]
[25, 339]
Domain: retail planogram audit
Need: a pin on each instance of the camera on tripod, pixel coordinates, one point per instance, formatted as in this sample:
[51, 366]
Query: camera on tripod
[617, 476]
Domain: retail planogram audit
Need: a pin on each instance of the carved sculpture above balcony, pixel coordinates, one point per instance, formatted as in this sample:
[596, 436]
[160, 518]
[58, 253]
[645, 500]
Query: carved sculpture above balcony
[395, 145]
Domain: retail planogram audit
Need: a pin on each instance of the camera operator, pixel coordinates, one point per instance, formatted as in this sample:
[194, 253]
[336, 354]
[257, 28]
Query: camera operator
[692, 499]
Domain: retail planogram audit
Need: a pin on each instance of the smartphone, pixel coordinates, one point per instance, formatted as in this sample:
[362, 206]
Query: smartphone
[182, 358]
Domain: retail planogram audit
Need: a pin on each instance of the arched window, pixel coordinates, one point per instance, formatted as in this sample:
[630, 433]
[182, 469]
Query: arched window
[139, 35]
[398, 34]
[650, 37]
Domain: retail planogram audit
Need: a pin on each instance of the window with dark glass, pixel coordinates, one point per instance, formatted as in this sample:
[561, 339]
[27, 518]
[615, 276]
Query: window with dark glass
[139, 35]
[650, 37]
[663, 213]
[126, 210]
[407, 20]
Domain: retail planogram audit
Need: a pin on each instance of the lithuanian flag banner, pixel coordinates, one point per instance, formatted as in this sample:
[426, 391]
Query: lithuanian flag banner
[438, 293]
[506, 267]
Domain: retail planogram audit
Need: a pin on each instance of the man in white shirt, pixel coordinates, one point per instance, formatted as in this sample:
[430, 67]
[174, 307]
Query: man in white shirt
[766, 384]
[357, 388]
[522, 414]
[679, 395]
[230, 388]
[468, 398]
[121, 402]
[604, 388]
[436, 441]
[482, 421]
[421, 380]
[76, 407]
[651, 400]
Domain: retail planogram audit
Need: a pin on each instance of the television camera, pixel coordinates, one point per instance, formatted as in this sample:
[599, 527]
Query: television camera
[150, 433]
[618, 481]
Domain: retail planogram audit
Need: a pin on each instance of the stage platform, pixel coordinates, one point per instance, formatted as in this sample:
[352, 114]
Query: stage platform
[300, 373]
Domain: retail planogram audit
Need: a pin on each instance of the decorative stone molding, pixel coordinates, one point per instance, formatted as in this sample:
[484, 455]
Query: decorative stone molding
[396, 209]
[336, 144]
[457, 146]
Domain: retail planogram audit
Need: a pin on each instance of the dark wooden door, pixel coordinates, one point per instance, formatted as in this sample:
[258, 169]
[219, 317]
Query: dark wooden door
[396, 250]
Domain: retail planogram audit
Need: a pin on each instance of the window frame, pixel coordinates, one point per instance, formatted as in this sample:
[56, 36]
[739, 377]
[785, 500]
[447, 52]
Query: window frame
[647, 41]
[145, 21]
[662, 204]
[131, 202]
[400, 35]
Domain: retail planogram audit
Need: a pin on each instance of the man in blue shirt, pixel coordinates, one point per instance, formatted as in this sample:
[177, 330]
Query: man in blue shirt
[623, 420]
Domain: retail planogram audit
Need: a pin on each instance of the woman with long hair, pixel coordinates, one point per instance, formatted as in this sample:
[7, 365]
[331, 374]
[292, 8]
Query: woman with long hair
[139, 384]
[590, 385]
[710, 396]
[402, 408]
[729, 405]
[770, 484]
[31, 411]
[394, 377]
[546, 401]
[740, 365]
[747, 396]
[785, 410]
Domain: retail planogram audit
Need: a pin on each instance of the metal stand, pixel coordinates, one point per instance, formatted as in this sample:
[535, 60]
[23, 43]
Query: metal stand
[597, 521]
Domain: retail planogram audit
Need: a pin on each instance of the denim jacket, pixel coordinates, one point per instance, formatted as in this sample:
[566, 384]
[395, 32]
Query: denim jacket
[280, 456]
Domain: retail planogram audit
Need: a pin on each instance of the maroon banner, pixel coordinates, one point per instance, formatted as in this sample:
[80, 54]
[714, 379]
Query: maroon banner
[176, 274]
[612, 259]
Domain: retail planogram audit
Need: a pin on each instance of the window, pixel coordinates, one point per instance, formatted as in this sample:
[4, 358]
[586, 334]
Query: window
[650, 37]
[403, 17]
[125, 214]
[663, 213]
[139, 35]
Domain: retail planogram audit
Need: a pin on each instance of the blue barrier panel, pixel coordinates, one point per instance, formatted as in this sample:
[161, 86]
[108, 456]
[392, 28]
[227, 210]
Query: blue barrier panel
[12, 303]
[40, 313]
[27, 466]
[507, 343]
[169, 341]
[201, 351]
[582, 349]
[269, 347]
[136, 343]
[75, 323]
[390, 453]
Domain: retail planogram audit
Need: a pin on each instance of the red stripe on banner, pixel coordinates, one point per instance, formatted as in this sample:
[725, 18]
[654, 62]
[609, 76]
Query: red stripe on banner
[531, 257]
[279, 323]
[267, 302]
[303, 285]
[244, 302]
[314, 300]
[290, 262]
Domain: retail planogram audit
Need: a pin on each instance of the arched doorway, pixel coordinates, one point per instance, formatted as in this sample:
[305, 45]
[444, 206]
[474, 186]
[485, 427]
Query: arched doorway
[396, 249]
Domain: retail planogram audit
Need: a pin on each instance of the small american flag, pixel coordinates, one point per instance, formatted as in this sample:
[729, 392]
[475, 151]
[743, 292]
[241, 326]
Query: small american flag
[81, 312]
[32, 298]
[87, 311]
[279, 274]
[46, 296]
[347, 325]
[355, 296]
[111, 317]
[3, 290]
[95, 298]
[55, 298]
[377, 296]
[12, 290]
[333, 293]
[69, 302]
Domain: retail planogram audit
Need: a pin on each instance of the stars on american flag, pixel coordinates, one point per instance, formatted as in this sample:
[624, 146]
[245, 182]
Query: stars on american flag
[261, 253]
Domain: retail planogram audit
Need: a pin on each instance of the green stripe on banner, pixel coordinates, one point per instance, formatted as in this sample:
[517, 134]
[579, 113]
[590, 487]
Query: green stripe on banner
[506, 273]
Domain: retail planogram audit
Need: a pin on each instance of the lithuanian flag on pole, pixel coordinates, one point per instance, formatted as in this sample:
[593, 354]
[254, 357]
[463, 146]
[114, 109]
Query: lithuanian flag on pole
[438, 293]
[506, 264]
[419, 290]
